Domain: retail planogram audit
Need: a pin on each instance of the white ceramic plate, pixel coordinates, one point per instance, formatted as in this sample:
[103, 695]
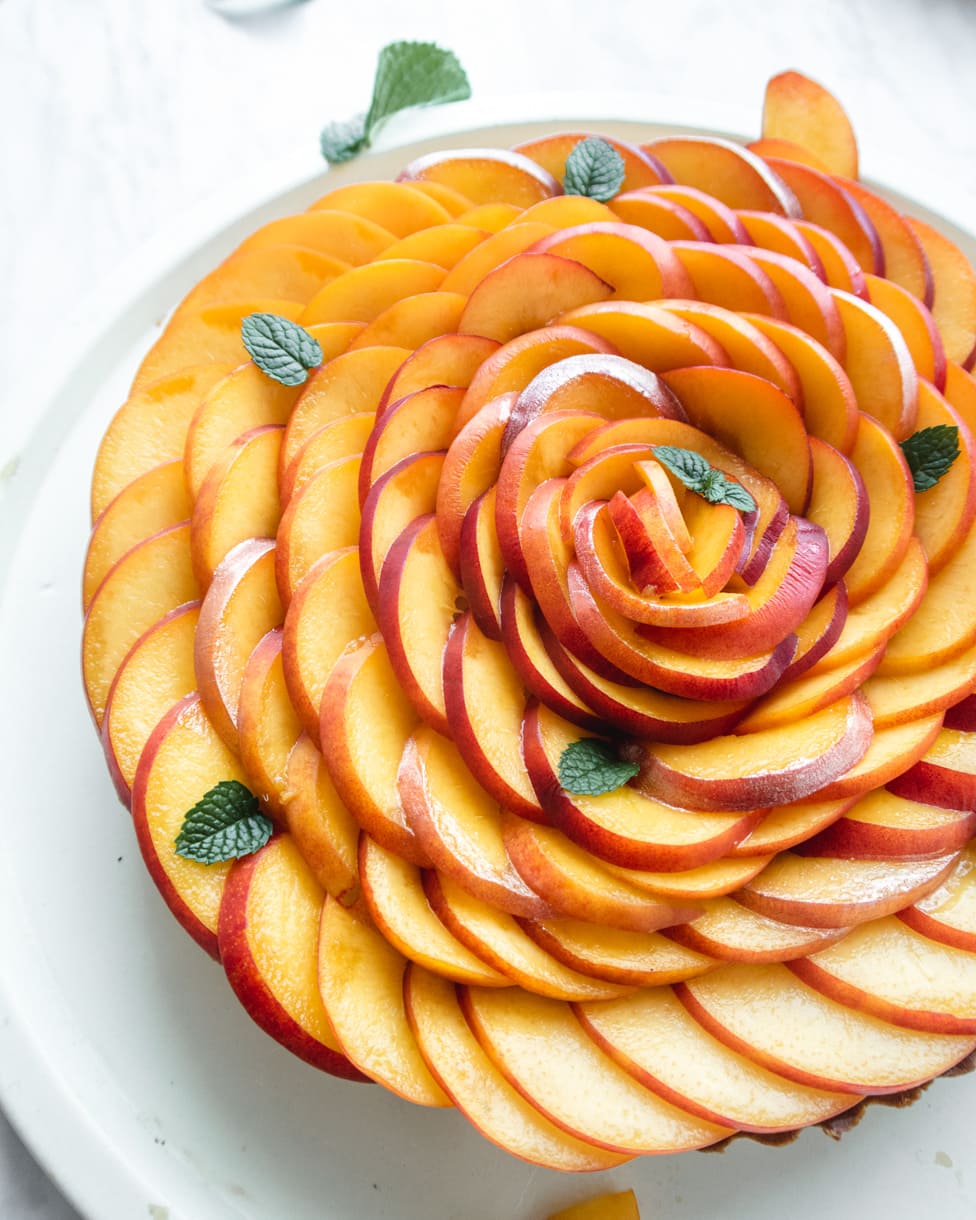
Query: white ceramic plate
[125, 1060]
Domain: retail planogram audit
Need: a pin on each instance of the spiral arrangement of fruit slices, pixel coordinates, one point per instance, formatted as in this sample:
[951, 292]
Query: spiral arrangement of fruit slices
[387, 601]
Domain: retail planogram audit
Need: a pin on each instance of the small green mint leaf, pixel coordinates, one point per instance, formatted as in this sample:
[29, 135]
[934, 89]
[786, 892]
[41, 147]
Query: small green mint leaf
[224, 824]
[408, 74]
[590, 768]
[712, 487]
[738, 497]
[414, 74]
[341, 141]
[930, 453]
[699, 476]
[594, 168]
[685, 464]
[280, 348]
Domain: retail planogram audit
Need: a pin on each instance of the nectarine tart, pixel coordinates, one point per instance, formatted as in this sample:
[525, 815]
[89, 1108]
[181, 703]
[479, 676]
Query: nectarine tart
[530, 615]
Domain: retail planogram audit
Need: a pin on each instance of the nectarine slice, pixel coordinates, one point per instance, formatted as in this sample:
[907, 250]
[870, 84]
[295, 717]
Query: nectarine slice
[944, 773]
[416, 606]
[149, 429]
[360, 981]
[879, 365]
[916, 324]
[785, 763]
[649, 334]
[459, 826]
[498, 939]
[485, 175]
[726, 170]
[345, 437]
[366, 721]
[211, 335]
[411, 321]
[328, 610]
[513, 365]
[785, 825]
[240, 607]
[722, 276]
[800, 110]
[831, 892]
[597, 1100]
[267, 724]
[324, 830]
[422, 422]
[482, 565]
[268, 936]
[341, 234]
[394, 892]
[485, 705]
[182, 760]
[527, 292]
[149, 581]
[157, 673]
[552, 151]
[954, 290]
[363, 293]
[397, 207]
[939, 629]
[407, 491]
[654, 1038]
[887, 969]
[237, 500]
[152, 502]
[619, 1205]
[742, 339]
[445, 360]
[719, 219]
[729, 931]
[768, 1015]
[665, 217]
[444, 245]
[639, 265]
[479, 1089]
[948, 914]
[824, 202]
[244, 400]
[639, 959]
[321, 517]
[882, 825]
[468, 273]
[350, 383]
[753, 418]
[575, 884]
[891, 496]
[624, 827]
[896, 698]
[945, 513]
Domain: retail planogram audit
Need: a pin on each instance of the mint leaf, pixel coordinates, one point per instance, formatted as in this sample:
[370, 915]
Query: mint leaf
[224, 824]
[590, 768]
[738, 497]
[408, 74]
[687, 465]
[343, 140]
[705, 480]
[280, 348]
[930, 453]
[594, 168]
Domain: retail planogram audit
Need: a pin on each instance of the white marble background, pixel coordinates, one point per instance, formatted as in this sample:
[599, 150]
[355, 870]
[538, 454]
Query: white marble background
[119, 115]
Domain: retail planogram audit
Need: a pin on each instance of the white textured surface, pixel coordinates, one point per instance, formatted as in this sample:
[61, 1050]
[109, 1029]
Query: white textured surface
[121, 114]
